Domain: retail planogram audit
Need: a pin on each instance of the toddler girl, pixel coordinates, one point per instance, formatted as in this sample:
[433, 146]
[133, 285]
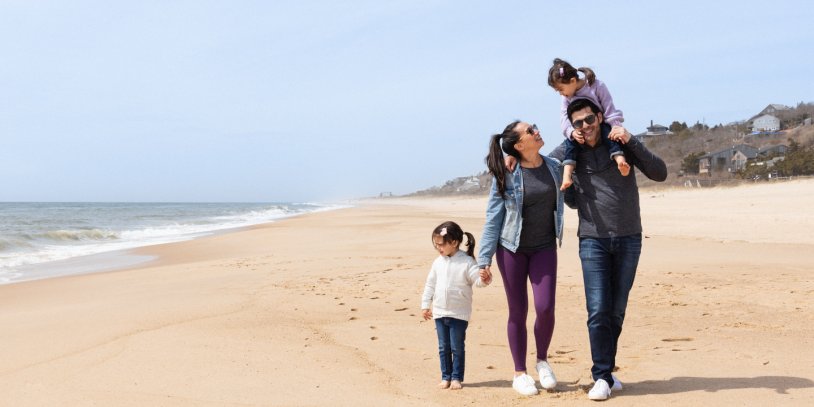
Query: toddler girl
[449, 290]
[565, 79]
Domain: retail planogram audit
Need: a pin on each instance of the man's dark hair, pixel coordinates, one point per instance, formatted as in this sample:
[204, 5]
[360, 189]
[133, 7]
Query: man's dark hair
[579, 104]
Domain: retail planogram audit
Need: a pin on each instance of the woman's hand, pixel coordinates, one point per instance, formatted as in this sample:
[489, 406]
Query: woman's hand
[427, 314]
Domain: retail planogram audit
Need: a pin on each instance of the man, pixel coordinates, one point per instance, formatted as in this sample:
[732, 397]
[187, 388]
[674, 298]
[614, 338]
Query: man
[610, 232]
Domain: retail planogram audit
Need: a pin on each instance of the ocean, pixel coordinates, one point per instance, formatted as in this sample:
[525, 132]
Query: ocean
[42, 240]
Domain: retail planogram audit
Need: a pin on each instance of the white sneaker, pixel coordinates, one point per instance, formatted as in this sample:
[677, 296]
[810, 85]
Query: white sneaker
[617, 385]
[524, 385]
[600, 391]
[547, 379]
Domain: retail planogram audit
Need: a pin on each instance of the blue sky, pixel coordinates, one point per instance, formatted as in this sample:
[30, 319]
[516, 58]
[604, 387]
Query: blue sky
[324, 100]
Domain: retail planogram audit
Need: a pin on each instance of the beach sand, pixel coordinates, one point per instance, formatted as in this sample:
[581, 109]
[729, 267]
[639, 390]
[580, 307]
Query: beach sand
[322, 309]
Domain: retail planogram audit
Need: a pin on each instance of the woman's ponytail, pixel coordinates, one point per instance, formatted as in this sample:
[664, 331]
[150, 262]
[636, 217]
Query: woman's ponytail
[494, 161]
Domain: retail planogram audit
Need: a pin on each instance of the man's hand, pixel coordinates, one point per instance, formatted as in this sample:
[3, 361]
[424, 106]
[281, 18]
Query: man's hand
[619, 134]
[427, 314]
[510, 162]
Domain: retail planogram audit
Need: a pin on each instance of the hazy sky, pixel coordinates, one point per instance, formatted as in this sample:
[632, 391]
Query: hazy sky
[324, 100]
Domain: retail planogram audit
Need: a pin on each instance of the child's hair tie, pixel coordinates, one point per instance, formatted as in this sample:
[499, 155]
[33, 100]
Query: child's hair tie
[562, 72]
[443, 232]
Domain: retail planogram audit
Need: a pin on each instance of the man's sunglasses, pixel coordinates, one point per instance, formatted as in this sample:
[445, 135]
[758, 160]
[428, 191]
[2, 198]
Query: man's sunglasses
[590, 119]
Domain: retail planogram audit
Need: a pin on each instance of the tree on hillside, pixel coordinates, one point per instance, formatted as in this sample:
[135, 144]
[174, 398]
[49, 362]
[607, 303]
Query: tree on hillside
[689, 165]
[799, 160]
[676, 127]
[698, 126]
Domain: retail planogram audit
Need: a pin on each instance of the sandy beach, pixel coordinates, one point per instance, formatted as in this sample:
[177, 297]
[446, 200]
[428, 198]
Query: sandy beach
[323, 309]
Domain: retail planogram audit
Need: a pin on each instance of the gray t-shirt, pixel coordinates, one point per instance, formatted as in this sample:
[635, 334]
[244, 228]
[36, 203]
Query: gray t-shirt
[539, 204]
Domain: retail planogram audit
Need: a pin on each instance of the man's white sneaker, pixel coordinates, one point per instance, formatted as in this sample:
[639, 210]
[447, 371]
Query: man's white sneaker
[547, 379]
[524, 385]
[600, 391]
[617, 385]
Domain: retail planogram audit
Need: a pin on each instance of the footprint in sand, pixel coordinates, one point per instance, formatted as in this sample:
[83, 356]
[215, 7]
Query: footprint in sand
[677, 339]
[400, 309]
[373, 338]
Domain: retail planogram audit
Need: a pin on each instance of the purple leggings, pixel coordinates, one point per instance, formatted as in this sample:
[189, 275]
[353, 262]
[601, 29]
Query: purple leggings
[540, 268]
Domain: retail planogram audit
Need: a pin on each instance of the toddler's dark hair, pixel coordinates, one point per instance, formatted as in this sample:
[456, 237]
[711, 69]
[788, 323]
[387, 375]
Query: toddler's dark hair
[562, 72]
[450, 231]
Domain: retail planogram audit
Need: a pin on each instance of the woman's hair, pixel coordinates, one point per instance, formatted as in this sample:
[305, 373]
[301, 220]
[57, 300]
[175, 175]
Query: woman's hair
[451, 232]
[494, 161]
[562, 72]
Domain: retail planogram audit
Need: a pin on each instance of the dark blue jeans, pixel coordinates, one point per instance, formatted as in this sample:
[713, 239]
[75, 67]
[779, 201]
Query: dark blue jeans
[608, 269]
[451, 337]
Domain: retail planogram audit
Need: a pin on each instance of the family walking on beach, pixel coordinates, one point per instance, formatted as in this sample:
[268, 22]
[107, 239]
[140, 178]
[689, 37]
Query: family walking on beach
[590, 171]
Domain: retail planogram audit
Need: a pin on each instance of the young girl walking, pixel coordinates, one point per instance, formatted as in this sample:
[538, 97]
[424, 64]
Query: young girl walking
[565, 79]
[449, 290]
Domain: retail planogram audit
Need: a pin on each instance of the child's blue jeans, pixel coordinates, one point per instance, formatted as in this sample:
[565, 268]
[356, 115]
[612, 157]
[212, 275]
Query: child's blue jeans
[572, 148]
[451, 337]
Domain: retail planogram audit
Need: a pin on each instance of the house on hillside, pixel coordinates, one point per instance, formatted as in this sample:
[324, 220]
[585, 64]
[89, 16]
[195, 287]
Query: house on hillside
[730, 160]
[773, 151]
[737, 157]
[468, 184]
[766, 122]
[653, 130]
[773, 108]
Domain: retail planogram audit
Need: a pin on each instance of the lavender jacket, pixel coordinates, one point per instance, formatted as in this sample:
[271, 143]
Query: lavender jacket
[600, 95]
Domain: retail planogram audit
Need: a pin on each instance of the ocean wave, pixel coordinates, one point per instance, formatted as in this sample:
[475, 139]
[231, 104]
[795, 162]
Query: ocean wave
[40, 236]
[80, 235]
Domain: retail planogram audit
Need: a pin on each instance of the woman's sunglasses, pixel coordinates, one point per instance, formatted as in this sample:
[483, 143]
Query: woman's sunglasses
[590, 119]
[532, 129]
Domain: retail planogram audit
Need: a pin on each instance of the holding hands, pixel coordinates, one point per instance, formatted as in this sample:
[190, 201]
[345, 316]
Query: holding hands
[486, 275]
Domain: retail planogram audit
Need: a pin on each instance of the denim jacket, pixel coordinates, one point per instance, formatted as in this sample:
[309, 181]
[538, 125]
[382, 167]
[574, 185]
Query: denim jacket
[504, 216]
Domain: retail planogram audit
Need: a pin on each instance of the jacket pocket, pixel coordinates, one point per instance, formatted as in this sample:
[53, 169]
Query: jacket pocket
[458, 299]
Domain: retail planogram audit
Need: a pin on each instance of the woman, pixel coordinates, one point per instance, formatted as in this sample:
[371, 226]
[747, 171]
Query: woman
[523, 225]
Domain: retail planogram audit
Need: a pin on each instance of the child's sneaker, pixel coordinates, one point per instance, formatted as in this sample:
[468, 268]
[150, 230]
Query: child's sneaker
[547, 379]
[524, 385]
